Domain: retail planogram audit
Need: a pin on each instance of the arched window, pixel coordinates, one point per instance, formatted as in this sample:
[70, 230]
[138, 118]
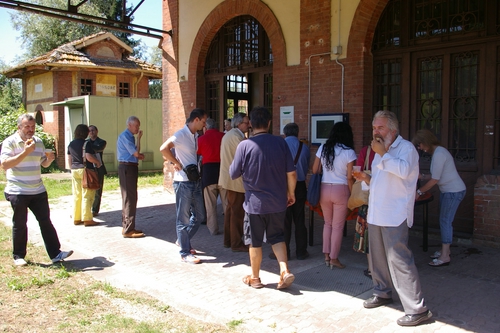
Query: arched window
[238, 69]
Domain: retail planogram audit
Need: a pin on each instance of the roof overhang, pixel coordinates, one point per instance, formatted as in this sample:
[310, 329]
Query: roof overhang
[73, 101]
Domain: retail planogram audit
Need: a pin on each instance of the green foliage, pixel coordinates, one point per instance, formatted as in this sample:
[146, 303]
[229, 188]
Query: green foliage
[10, 92]
[155, 89]
[8, 126]
[41, 34]
[234, 323]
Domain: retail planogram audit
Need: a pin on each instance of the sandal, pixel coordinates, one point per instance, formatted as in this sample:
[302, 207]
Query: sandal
[327, 262]
[286, 279]
[254, 283]
[336, 263]
[438, 263]
[435, 255]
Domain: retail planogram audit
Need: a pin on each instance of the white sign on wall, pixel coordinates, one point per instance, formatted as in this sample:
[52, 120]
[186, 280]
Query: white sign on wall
[106, 89]
[286, 116]
[38, 88]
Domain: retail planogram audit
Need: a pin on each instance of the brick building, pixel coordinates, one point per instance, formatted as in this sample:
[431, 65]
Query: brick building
[97, 65]
[434, 63]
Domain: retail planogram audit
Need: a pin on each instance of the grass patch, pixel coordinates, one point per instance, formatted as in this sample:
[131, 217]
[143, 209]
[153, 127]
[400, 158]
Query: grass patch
[60, 298]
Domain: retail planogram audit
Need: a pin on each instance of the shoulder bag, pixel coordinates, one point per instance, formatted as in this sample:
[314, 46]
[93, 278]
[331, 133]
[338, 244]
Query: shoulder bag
[314, 188]
[90, 176]
[359, 197]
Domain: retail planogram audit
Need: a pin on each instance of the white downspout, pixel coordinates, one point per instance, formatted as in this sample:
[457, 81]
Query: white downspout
[343, 68]
[309, 94]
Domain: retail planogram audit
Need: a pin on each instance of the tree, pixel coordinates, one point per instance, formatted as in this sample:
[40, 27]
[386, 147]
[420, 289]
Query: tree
[41, 34]
[155, 86]
[10, 92]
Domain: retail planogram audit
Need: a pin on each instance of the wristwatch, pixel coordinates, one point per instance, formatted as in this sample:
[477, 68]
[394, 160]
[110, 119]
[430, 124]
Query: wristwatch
[420, 192]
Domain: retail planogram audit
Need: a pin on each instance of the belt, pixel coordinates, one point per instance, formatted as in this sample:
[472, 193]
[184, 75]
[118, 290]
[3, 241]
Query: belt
[129, 163]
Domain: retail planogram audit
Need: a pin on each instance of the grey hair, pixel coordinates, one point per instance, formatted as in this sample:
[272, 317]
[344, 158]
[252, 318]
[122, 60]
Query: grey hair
[131, 119]
[210, 124]
[26, 116]
[238, 119]
[392, 119]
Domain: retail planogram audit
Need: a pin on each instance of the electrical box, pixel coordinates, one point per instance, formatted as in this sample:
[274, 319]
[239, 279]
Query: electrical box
[337, 50]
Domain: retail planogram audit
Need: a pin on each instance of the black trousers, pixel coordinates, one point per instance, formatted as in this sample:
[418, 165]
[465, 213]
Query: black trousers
[128, 175]
[39, 205]
[96, 206]
[296, 214]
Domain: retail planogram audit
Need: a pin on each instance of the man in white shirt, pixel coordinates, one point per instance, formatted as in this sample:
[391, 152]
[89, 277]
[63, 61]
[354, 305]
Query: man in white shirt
[392, 199]
[188, 192]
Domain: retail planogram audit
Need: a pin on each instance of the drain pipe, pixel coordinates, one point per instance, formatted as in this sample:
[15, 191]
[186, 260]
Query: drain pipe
[343, 68]
[309, 94]
[342, 84]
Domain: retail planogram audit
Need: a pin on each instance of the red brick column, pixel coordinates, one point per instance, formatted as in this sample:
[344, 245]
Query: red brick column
[487, 211]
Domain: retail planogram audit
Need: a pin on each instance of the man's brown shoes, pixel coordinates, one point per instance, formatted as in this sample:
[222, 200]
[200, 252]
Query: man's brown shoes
[254, 283]
[286, 279]
[134, 234]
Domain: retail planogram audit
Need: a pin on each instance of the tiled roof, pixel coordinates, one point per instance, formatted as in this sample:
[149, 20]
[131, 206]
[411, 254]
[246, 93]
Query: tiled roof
[68, 55]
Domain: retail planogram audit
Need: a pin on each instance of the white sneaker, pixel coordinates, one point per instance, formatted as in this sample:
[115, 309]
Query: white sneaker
[190, 259]
[61, 256]
[20, 262]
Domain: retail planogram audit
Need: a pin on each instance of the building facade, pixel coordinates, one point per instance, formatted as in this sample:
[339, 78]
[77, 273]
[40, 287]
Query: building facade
[97, 65]
[435, 63]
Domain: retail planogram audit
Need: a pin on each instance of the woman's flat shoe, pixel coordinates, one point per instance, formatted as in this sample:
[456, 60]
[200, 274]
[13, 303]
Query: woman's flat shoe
[438, 263]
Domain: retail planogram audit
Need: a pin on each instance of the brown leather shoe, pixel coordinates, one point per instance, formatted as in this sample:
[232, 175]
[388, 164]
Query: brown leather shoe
[90, 223]
[254, 283]
[77, 222]
[286, 279]
[134, 234]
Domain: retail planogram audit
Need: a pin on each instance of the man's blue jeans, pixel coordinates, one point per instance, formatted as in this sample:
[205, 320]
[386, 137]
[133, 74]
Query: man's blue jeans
[449, 206]
[190, 210]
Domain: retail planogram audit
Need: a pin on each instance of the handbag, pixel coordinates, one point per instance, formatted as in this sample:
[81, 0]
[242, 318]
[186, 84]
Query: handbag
[314, 189]
[359, 197]
[90, 176]
[361, 231]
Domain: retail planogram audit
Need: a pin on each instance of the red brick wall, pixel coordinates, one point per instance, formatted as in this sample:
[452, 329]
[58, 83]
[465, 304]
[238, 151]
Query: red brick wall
[486, 211]
[291, 83]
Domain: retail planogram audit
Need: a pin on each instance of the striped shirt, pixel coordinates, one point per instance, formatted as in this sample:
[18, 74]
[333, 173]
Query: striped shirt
[25, 178]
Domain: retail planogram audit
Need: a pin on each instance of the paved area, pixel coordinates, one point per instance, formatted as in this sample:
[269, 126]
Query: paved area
[464, 297]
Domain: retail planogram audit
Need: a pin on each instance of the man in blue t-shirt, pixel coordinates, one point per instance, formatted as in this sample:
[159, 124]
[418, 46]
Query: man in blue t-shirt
[265, 164]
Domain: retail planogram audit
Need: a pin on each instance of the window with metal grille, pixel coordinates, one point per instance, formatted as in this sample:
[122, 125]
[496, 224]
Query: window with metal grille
[268, 92]
[85, 87]
[123, 89]
[387, 89]
[240, 43]
[415, 21]
[213, 100]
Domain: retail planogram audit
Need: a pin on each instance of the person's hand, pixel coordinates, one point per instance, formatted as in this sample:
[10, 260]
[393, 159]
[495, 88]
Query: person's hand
[177, 166]
[290, 199]
[139, 134]
[51, 157]
[378, 146]
[417, 196]
[29, 146]
[362, 176]
[140, 157]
